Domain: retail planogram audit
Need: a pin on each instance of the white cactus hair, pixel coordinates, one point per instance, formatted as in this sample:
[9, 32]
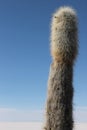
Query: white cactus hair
[65, 9]
[64, 40]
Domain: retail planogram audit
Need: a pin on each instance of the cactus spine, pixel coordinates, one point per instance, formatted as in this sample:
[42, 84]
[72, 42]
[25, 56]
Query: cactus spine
[64, 49]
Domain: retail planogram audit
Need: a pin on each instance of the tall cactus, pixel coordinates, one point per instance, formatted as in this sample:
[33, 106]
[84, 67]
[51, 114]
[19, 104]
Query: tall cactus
[64, 49]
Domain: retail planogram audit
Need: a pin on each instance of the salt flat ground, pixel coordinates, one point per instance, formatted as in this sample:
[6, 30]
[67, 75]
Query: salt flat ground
[33, 126]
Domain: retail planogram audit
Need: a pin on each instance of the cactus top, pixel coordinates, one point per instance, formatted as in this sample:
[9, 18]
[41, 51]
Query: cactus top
[64, 41]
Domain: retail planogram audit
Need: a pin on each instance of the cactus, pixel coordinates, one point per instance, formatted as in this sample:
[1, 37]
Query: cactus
[64, 49]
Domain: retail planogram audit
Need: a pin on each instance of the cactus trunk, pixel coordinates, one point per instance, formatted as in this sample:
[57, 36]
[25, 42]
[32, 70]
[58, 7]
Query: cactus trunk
[64, 48]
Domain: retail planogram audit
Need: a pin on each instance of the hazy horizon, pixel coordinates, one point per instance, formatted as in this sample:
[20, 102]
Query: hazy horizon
[34, 126]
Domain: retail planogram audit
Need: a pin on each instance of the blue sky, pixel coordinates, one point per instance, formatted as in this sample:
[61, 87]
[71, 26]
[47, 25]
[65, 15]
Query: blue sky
[25, 54]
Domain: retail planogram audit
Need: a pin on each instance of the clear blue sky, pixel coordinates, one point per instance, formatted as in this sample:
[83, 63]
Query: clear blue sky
[25, 54]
